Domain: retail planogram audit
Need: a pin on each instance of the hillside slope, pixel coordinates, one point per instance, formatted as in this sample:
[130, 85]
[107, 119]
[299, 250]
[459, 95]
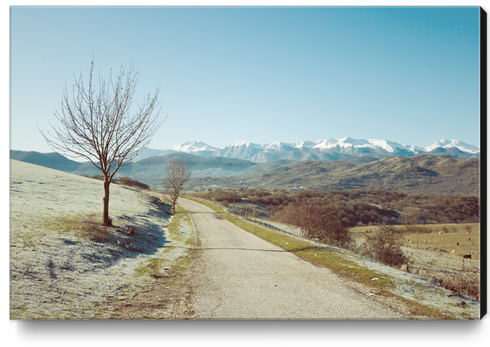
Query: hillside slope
[52, 160]
[425, 174]
[59, 271]
[152, 170]
[422, 174]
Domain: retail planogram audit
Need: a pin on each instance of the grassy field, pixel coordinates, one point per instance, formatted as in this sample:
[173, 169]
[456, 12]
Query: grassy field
[462, 238]
[438, 253]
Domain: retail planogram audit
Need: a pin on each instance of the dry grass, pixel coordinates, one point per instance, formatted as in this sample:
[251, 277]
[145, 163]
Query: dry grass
[168, 295]
[433, 258]
[94, 231]
[441, 237]
[466, 284]
[83, 226]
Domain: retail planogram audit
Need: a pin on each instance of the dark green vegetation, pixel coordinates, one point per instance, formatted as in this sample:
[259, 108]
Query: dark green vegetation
[354, 207]
[422, 175]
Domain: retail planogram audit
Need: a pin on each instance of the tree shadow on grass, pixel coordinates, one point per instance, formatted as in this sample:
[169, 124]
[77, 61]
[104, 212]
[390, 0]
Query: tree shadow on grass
[129, 237]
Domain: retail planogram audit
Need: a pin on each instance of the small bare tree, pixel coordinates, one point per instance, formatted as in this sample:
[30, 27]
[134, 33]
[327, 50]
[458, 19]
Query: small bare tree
[177, 176]
[98, 124]
[410, 222]
[316, 221]
[385, 245]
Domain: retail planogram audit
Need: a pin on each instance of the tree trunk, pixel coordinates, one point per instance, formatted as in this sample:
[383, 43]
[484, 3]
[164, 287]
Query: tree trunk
[107, 220]
[174, 202]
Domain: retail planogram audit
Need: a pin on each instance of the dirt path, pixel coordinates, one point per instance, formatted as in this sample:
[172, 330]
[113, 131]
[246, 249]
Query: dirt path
[240, 276]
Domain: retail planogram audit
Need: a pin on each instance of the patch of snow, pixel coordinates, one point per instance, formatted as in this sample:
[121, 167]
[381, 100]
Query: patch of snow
[326, 144]
[192, 146]
[303, 144]
[279, 146]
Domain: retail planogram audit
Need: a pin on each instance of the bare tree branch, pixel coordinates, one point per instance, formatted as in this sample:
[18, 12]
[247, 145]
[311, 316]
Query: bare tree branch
[98, 123]
[177, 176]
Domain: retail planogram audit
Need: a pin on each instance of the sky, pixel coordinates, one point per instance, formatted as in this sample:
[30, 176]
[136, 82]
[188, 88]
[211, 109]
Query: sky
[259, 74]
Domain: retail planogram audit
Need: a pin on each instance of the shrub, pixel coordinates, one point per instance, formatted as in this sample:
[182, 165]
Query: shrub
[127, 181]
[156, 200]
[317, 222]
[97, 177]
[464, 284]
[384, 246]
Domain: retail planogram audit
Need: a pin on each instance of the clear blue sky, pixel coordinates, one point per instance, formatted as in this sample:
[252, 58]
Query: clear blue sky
[409, 75]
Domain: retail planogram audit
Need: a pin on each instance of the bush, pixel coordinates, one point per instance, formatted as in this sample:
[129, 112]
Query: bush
[96, 177]
[317, 222]
[127, 181]
[384, 246]
[464, 284]
[368, 206]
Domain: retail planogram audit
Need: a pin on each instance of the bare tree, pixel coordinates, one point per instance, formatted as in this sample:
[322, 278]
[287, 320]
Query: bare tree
[177, 176]
[98, 123]
[385, 246]
[409, 220]
[316, 221]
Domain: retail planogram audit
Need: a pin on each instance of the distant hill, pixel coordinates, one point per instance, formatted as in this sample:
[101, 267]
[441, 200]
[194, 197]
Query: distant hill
[425, 174]
[152, 170]
[359, 160]
[52, 160]
[422, 174]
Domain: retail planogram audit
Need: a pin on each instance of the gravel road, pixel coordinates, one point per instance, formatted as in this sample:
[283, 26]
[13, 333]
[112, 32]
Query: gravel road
[240, 276]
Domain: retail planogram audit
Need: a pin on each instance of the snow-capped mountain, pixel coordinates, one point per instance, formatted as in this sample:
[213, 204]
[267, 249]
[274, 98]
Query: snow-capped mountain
[328, 149]
[279, 146]
[240, 150]
[463, 147]
[192, 147]
[303, 144]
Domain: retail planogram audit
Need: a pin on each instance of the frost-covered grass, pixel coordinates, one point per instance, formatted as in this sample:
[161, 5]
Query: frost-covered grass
[61, 266]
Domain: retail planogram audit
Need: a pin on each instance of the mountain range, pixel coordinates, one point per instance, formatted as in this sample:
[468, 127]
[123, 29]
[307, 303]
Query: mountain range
[446, 167]
[323, 150]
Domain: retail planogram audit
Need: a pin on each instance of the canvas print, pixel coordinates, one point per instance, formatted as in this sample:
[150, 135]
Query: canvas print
[246, 163]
